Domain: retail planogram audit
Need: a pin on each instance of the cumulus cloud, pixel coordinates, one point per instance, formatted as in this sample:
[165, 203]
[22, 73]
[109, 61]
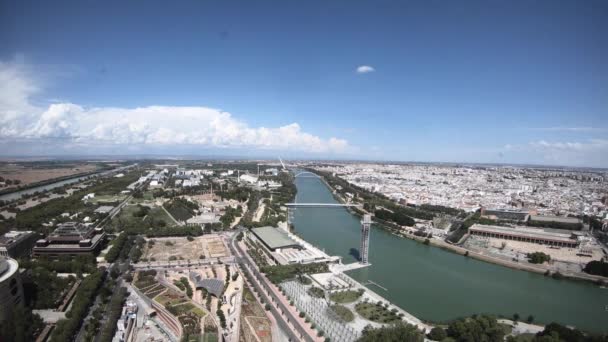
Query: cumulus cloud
[364, 69]
[149, 125]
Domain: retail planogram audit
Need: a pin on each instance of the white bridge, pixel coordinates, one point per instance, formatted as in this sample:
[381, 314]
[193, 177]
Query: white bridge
[306, 174]
[366, 223]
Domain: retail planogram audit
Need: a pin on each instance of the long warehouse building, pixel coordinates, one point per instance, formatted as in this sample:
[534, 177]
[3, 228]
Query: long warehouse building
[533, 235]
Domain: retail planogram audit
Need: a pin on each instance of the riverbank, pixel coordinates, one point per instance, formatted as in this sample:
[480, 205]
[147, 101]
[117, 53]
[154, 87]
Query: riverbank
[49, 181]
[467, 252]
[25, 192]
[439, 285]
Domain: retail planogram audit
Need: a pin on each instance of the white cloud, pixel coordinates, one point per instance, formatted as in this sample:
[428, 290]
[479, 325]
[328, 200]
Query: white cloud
[571, 129]
[364, 69]
[590, 145]
[150, 125]
[592, 152]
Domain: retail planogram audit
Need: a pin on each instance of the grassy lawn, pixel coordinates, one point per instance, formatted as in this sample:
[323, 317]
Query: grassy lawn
[280, 273]
[526, 337]
[316, 292]
[376, 313]
[348, 296]
[343, 312]
[180, 309]
[129, 216]
[210, 337]
[107, 199]
[169, 299]
[145, 279]
[199, 312]
[126, 216]
[157, 214]
[248, 295]
[506, 328]
[304, 280]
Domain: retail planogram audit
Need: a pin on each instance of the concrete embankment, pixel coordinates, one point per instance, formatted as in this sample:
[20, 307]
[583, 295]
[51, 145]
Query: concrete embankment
[473, 254]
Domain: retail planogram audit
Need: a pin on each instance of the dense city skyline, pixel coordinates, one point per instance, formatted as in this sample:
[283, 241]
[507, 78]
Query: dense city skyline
[468, 82]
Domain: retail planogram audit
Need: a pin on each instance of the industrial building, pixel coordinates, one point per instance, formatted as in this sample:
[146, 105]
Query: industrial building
[17, 244]
[11, 290]
[545, 236]
[506, 214]
[71, 239]
[274, 239]
[561, 222]
[286, 248]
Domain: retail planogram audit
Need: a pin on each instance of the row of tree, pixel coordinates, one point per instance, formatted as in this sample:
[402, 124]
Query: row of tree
[117, 247]
[85, 295]
[397, 216]
[113, 314]
[596, 267]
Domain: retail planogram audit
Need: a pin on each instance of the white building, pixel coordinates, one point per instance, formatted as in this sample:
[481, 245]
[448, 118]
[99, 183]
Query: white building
[11, 291]
[248, 179]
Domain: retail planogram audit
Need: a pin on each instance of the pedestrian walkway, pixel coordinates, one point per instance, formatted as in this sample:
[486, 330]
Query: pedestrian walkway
[320, 313]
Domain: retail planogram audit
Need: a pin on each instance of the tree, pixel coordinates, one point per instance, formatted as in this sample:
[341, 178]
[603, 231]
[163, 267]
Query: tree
[530, 319]
[515, 317]
[476, 328]
[437, 334]
[400, 332]
[538, 257]
[564, 333]
[222, 318]
[596, 267]
[22, 325]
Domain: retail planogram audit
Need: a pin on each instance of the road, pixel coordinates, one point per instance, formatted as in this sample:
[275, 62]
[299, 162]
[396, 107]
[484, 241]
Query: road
[184, 264]
[278, 308]
[81, 333]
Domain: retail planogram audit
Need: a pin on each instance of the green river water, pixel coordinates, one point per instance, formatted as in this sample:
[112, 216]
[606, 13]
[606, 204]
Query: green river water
[437, 285]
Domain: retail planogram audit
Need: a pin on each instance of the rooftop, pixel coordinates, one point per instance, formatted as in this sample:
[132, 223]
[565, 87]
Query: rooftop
[551, 234]
[572, 220]
[212, 285]
[72, 229]
[8, 267]
[104, 209]
[13, 236]
[274, 238]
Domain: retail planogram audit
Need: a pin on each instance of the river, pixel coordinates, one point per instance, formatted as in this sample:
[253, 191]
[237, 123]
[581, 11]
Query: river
[40, 188]
[437, 285]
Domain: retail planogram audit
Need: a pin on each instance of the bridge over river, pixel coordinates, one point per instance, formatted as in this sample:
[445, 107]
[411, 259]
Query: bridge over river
[437, 285]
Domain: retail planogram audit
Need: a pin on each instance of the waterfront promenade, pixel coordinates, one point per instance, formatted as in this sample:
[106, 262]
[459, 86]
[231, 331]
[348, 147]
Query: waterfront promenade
[414, 273]
[287, 319]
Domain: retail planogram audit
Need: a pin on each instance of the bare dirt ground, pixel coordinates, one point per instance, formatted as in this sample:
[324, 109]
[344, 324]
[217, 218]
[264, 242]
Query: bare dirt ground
[519, 249]
[28, 176]
[164, 248]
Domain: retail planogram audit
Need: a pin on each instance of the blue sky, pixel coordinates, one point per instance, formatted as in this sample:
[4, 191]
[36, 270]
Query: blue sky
[471, 81]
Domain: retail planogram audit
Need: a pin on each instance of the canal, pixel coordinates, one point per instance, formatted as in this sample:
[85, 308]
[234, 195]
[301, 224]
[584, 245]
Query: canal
[437, 285]
[41, 188]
